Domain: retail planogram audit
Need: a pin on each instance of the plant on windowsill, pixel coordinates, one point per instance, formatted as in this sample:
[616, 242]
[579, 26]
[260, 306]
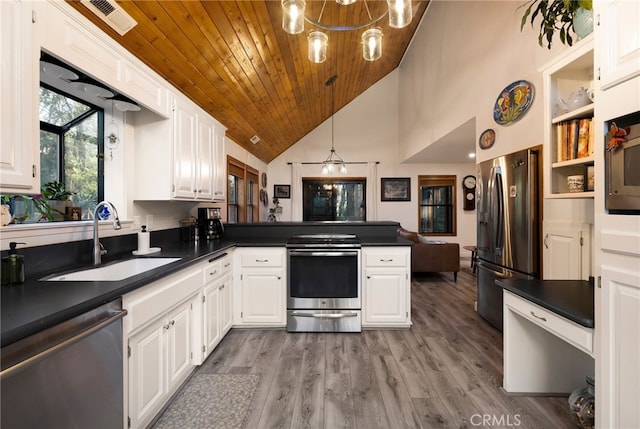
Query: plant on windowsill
[275, 211]
[558, 15]
[53, 201]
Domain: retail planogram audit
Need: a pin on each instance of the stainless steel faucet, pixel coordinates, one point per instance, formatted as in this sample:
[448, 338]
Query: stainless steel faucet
[97, 248]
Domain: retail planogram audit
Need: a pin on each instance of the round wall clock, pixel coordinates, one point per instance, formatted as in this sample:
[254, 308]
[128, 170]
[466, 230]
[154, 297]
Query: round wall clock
[487, 139]
[469, 195]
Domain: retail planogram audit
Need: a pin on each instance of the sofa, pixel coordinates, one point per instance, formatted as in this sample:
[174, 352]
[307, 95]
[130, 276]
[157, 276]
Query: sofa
[435, 256]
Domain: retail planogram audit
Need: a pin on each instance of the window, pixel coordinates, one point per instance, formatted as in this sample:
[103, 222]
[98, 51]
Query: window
[334, 199]
[71, 146]
[437, 205]
[242, 200]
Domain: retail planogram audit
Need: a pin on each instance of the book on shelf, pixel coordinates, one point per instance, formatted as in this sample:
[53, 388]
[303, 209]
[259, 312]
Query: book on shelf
[574, 139]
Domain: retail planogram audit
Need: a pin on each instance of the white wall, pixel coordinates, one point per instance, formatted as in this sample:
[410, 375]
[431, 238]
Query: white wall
[367, 130]
[462, 56]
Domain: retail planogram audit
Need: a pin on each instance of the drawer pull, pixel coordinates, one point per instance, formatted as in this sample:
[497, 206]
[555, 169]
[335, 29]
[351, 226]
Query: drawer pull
[544, 319]
[386, 260]
[213, 273]
[262, 260]
[227, 264]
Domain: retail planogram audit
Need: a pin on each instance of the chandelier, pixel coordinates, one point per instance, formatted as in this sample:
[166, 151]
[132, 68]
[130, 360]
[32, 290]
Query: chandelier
[333, 161]
[293, 18]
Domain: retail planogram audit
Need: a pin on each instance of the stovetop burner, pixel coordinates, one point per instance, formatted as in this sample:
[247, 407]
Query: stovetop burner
[324, 240]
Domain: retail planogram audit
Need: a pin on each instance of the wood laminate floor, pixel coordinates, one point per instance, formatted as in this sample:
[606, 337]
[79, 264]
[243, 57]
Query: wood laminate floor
[444, 372]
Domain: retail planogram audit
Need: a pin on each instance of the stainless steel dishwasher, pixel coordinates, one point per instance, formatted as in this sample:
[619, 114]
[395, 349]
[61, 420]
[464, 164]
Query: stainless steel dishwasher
[67, 376]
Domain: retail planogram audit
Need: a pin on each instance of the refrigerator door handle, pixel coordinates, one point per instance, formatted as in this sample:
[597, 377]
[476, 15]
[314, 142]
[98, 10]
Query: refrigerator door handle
[497, 274]
[496, 204]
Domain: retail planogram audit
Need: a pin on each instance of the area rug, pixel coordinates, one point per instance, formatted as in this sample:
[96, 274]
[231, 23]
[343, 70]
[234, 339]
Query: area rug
[211, 401]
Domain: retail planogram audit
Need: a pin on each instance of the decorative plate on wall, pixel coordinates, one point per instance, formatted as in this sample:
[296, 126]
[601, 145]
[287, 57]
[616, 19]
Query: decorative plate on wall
[513, 102]
[264, 180]
[487, 139]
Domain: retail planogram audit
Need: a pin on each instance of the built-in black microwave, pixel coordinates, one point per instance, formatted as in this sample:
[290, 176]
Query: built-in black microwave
[622, 165]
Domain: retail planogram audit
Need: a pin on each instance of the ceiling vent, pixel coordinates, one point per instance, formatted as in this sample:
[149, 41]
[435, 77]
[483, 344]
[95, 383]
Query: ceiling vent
[254, 139]
[111, 13]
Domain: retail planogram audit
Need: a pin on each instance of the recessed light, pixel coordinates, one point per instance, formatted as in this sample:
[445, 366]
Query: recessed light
[472, 154]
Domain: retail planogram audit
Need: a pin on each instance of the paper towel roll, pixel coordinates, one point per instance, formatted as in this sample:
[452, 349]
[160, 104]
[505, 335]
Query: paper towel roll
[143, 240]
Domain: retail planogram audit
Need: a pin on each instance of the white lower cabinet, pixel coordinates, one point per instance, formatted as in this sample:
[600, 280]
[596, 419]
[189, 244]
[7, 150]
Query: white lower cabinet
[260, 298]
[386, 287]
[159, 333]
[216, 303]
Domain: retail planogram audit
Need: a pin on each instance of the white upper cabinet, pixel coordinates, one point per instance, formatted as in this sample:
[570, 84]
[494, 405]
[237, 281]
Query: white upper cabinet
[619, 40]
[219, 168]
[19, 77]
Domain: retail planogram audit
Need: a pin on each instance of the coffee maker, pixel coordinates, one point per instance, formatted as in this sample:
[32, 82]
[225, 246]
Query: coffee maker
[210, 223]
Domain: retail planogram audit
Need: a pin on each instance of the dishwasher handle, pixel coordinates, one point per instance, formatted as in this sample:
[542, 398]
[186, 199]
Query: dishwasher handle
[65, 343]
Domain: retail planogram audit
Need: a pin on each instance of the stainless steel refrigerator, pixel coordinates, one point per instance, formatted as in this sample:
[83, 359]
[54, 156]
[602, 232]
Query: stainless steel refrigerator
[508, 191]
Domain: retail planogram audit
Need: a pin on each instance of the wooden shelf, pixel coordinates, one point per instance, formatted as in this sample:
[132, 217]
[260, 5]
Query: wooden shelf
[572, 195]
[580, 112]
[577, 161]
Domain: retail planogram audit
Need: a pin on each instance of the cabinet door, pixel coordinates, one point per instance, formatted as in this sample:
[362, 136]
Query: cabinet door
[566, 250]
[204, 159]
[219, 166]
[147, 376]
[226, 309]
[178, 345]
[184, 150]
[617, 380]
[19, 80]
[212, 329]
[385, 296]
[619, 41]
[263, 297]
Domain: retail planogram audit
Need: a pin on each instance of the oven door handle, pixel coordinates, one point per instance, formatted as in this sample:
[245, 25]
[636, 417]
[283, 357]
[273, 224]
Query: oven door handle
[322, 253]
[324, 315]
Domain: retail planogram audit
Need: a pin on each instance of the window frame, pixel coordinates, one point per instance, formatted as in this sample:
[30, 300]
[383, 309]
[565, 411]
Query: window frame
[247, 179]
[334, 180]
[432, 181]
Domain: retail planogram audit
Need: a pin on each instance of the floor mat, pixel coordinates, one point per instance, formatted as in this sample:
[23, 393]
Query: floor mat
[211, 401]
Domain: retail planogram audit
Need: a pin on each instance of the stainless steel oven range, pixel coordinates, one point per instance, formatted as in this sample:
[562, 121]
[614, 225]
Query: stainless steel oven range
[323, 283]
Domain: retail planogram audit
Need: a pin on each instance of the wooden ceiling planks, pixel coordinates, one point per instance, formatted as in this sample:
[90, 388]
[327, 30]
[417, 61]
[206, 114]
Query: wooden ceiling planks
[234, 60]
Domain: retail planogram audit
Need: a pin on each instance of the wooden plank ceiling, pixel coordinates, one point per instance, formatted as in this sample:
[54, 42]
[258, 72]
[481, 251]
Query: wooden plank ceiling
[234, 60]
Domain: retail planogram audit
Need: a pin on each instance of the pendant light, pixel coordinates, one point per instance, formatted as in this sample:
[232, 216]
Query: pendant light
[293, 17]
[372, 44]
[400, 13]
[334, 160]
[318, 42]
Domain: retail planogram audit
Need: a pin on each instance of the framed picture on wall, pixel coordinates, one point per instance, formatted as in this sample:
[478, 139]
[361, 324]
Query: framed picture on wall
[395, 189]
[282, 191]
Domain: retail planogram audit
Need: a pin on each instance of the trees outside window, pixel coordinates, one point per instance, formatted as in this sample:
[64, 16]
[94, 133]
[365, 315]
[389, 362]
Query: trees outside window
[334, 199]
[437, 205]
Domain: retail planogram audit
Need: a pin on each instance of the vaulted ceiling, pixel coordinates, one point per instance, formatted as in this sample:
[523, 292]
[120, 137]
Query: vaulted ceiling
[234, 60]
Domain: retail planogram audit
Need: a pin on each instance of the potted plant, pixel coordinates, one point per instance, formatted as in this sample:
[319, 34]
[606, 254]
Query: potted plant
[55, 198]
[555, 15]
[275, 211]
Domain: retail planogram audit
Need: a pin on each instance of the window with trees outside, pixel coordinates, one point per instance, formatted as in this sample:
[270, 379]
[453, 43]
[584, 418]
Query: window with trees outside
[437, 204]
[71, 149]
[242, 192]
[334, 199]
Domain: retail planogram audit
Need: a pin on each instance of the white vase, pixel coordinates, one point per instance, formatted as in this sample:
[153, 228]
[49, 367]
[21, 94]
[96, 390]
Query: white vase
[583, 22]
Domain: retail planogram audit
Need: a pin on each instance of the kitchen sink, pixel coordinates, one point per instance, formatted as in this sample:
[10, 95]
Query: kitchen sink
[113, 272]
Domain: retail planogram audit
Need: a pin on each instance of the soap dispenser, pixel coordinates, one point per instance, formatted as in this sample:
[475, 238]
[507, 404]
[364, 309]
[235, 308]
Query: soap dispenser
[13, 266]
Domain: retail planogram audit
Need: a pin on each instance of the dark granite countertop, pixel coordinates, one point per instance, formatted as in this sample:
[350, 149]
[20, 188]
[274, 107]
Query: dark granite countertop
[36, 305]
[572, 299]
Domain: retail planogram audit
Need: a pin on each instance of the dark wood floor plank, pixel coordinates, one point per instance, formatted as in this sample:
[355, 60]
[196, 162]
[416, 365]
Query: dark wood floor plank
[338, 402]
[278, 407]
[367, 402]
[395, 397]
[337, 359]
[308, 411]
